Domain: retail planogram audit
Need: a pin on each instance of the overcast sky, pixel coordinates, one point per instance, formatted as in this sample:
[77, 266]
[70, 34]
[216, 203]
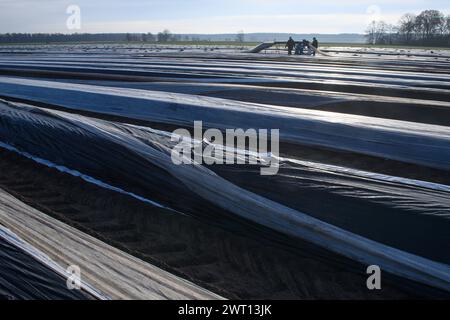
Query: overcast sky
[208, 16]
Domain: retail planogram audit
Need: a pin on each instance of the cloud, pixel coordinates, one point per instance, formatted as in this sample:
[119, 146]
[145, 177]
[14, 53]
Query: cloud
[206, 16]
[296, 23]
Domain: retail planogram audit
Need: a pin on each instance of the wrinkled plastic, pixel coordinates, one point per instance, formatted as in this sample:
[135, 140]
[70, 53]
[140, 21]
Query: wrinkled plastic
[135, 154]
[26, 273]
[422, 144]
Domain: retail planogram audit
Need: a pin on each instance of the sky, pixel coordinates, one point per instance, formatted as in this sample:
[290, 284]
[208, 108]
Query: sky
[206, 16]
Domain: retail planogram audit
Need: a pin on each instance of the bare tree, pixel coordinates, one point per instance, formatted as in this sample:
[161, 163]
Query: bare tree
[148, 37]
[167, 35]
[164, 36]
[447, 29]
[429, 24]
[430, 27]
[371, 32]
[378, 32]
[240, 36]
[407, 25]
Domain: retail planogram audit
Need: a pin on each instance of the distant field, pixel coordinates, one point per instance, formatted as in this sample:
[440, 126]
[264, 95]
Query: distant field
[222, 43]
[178, 43]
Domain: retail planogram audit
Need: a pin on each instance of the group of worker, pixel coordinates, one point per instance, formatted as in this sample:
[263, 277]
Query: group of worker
[303, 47]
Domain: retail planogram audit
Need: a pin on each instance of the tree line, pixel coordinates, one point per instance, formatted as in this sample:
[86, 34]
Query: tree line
[164, 36]
[161, 37]
[429, 28]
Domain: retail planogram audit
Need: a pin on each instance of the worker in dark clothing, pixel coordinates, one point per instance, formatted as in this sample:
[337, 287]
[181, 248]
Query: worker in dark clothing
[306, 44]
[315, 44]
[299, 48]
[290, 45]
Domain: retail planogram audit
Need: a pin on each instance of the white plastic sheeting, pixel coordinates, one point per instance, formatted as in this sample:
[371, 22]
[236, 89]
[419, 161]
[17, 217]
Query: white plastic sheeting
[113, 273]
[237, 70]
[19, 243]
[206, 184]
[416, 143]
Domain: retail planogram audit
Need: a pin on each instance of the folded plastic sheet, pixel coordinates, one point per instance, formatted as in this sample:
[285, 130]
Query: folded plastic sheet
[422, 144]
[133, 154]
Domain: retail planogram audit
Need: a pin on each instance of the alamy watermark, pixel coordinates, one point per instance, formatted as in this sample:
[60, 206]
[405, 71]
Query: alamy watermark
[374, 280]
[237, 146]
[73, 22]
[73, 281]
